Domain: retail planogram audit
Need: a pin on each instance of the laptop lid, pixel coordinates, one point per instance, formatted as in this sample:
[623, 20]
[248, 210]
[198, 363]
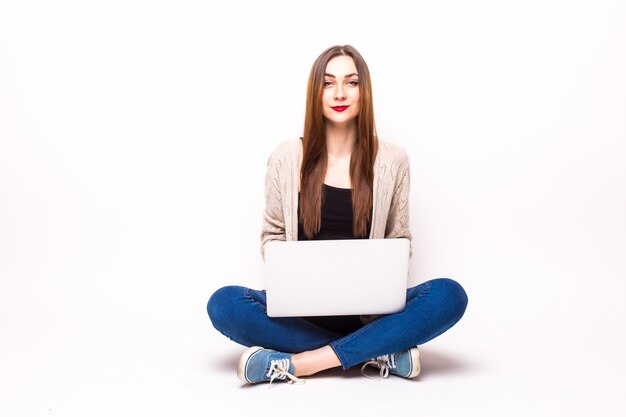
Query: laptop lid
[336, 277]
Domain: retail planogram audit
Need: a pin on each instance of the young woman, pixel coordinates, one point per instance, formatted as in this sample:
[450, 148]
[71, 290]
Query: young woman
[339, 181]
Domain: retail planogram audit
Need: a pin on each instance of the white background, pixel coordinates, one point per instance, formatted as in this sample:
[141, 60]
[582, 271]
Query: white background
[133, 141]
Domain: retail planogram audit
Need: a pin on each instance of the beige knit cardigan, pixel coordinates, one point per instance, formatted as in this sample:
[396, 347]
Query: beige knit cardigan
[390, 214]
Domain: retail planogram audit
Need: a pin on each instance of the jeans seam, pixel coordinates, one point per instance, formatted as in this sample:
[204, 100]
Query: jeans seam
[248, 294]
[339, 354]
[346, 339]
[352, 335]
[424, 291]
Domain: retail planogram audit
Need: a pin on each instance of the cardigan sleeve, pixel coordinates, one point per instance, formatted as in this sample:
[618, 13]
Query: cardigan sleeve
[273, 218]
[398, 219]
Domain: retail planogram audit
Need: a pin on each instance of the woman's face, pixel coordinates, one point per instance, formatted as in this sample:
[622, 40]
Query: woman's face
[341, 94]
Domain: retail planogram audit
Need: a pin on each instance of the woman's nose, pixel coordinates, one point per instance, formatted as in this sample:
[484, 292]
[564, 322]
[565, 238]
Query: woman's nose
[340, 92]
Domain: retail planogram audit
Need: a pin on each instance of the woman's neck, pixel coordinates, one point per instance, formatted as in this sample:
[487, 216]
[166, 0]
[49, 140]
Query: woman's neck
[340, 139]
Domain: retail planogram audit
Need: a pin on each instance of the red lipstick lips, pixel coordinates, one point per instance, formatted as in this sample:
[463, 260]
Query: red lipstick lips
[339, 108]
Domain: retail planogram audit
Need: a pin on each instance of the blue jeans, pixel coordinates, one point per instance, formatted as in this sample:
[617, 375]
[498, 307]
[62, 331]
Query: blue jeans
[432, 307]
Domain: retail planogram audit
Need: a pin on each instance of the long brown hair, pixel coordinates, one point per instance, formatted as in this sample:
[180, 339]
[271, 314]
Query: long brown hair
[315, 157]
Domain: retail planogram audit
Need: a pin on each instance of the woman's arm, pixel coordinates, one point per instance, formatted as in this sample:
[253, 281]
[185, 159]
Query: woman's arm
[398, 218]
[273, 218]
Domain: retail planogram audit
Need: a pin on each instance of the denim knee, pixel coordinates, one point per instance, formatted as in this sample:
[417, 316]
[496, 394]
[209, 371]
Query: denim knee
[453, 294]
[219, 305]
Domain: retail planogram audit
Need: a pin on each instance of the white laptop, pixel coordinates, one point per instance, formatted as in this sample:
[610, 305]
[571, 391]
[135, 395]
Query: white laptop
[336, 277]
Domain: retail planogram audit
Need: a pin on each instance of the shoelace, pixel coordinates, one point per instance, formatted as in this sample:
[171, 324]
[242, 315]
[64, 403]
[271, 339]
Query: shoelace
[384, 363]
[279, 369]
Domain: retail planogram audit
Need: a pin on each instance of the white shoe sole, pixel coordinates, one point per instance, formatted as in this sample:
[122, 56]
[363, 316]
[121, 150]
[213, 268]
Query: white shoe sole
[243, 363]
[415, 361]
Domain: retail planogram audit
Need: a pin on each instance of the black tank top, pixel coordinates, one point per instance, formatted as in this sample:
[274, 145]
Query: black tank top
[337, 215]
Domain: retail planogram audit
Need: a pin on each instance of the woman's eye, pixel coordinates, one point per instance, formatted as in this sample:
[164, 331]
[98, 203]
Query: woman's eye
[327, 83]
[353, 83]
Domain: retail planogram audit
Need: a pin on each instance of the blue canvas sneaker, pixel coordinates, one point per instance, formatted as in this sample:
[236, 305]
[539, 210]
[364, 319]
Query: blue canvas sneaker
[264, 365]
[405, 364]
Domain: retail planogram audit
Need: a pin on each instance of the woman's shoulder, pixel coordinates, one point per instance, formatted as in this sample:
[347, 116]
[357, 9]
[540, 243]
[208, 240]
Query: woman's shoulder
[286, 150]
[392, 152]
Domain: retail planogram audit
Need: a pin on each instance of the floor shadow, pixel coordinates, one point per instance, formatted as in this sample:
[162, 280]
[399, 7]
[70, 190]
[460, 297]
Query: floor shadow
[436, 363]
[433, 363]
[340, 373]
[225, 362]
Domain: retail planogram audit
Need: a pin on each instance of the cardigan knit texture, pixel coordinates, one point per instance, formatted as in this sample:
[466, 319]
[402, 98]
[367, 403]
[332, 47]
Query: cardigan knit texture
[390, 211]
